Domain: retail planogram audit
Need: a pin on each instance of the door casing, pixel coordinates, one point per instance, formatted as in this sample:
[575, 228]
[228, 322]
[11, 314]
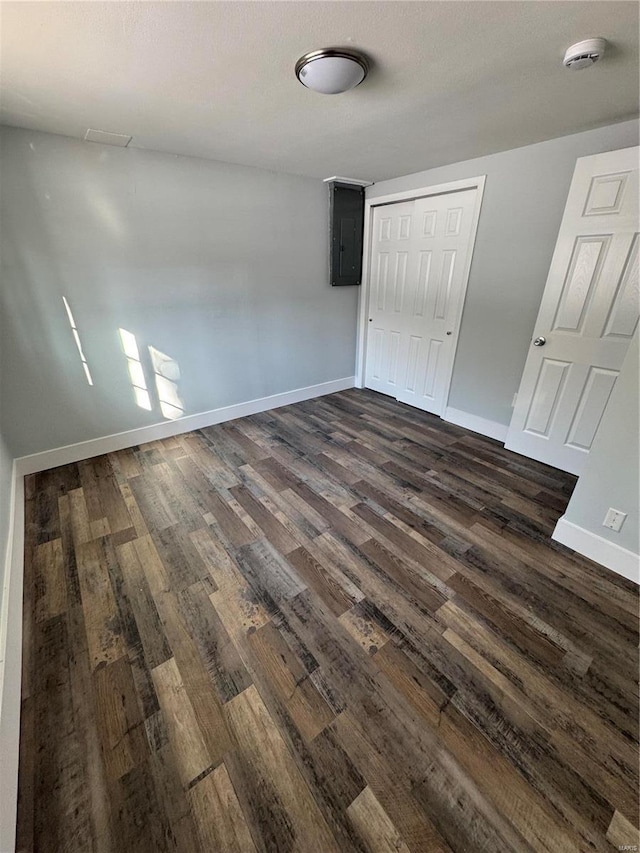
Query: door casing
[476, 183]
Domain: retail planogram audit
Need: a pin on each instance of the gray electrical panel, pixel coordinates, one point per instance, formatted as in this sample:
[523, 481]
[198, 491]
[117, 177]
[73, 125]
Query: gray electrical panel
[346, 224]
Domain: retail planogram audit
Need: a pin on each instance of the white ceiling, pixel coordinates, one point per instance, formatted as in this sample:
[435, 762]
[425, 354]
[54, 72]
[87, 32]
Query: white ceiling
[451, 80]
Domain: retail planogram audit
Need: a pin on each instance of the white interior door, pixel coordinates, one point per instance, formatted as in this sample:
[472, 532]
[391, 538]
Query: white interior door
[587, 317]
[419, 259]
[390, 252]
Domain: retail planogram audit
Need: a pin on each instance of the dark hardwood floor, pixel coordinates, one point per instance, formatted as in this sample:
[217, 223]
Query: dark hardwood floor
[337, 626]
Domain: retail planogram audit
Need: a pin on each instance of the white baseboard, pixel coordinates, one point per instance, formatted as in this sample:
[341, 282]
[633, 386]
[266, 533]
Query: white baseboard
[598, 549]
[11, 665]
[492, 429]
[118, 441]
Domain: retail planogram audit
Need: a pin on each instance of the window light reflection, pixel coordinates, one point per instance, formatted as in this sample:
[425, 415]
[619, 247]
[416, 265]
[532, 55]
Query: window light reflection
[76, 337]
[136, 371]
[167, 373]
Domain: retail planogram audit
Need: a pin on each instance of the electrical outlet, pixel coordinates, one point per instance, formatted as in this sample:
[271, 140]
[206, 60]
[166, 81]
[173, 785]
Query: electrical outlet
[614, 519]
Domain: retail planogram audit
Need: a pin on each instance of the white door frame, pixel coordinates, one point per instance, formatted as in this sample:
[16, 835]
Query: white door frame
[476, 183]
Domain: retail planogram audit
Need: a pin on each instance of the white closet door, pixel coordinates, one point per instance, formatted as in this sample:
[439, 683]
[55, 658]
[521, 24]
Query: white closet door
[587, 317]
[433, 305]
[391, 255]
[419, 255]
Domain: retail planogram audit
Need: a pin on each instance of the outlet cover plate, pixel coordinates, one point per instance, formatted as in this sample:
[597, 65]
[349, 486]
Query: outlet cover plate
[614, 519]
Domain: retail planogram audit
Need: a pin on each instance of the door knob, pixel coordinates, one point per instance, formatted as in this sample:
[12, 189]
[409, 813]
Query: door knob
[540, 342]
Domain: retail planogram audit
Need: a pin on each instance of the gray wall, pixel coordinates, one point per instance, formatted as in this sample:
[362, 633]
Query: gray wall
[524, 198]
[610, 478]
[223, 268]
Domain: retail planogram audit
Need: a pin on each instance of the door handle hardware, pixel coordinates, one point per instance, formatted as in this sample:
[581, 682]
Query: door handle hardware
[540, 342]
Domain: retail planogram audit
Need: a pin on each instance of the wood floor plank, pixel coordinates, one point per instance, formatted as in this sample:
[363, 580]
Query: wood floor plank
[99, 605]
[557, 707]
[111, 499]
[337, 626]
[50, 580]
[218, 653]
[622, 833]
[428, 595]
[152, 502]
[79, 518]
[364, 630]
[374, 825]
[137, 520]
[184, 733]
[88, 732]
[392, 790]
[308, 709]
[25, 819]
[283, 814]
[418, 689]
[234, 531]
[271, 577]
[526, 638]
[180, 558]
[126, 463]
[132, 795]
[219, 819]
[337, 519]
[152, 635]
[120, 722]
[436, 561]
[62, 815]
[200, 689]
[175, 813]
[405, 616]
[606, 782]
[272, 529]
[321, 580]
[534, 818]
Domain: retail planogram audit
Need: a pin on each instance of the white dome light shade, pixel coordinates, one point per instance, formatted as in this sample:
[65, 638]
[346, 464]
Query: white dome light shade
[331, 70]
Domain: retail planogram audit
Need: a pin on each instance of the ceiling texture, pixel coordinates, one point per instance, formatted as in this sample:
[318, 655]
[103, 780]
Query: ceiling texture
[450, 80]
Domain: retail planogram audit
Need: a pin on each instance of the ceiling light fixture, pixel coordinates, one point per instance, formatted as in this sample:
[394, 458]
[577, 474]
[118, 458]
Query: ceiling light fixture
[584, 54]
[331, 70]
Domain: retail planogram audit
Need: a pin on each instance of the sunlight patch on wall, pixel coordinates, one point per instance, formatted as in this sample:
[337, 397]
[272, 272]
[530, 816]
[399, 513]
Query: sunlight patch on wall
[167, 373]
[136, 371]
[76, 337]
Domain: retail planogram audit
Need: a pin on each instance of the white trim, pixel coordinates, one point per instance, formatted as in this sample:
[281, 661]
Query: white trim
[355, 181]
[615, 557]
[476, 183]
[434, 189]
[492, 429]
[11, 665]
[363, 297]
[118, 441]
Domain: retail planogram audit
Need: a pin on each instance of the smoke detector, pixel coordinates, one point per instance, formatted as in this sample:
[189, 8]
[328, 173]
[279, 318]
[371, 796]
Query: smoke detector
[585, 53]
